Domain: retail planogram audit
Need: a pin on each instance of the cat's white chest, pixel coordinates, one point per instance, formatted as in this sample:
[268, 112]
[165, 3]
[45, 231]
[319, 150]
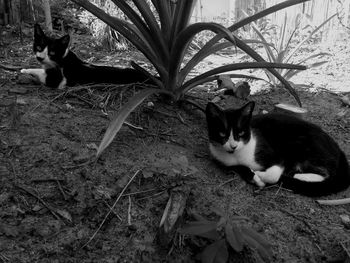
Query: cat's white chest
[243, 155]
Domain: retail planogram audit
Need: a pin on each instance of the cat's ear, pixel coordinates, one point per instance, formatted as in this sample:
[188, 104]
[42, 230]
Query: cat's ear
[247, 110]
[65, 40]
[38, 32]
[213, 111]
[245, 115]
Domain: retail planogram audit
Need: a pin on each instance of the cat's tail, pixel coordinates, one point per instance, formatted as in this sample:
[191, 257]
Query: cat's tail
[340, 181]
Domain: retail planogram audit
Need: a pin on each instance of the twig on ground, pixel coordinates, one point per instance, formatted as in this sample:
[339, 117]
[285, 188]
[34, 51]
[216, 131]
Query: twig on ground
[118, 216]
[141, 192]
[180, 118]
[129, 212]
[4, 83]
[133, 126]
[111, 209]
[343, 201]
[4, 258]
[345, 249]
[226, 182]
[10, 68]
[40, 200]
[61, 189]
[159, 193]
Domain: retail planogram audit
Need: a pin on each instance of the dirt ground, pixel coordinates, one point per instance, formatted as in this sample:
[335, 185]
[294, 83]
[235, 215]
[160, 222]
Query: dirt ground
[52, 201]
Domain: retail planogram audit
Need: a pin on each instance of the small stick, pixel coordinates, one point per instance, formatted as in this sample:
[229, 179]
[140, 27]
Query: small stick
[118, 216]
[334, 202]
[111, 209]
[345, 249]
[226, 182]
[133, 126]
[151, 195]
[4, 258]
[41, 200]
[10, 68]
[129, 212]
[141, 192]
[61, 189]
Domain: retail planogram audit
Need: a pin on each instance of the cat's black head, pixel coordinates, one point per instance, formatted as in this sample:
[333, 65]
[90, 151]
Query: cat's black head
[229, 129]
[49, 51]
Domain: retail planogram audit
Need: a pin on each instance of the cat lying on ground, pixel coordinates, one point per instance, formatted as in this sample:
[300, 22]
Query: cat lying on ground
[278, 148]
[61, 67]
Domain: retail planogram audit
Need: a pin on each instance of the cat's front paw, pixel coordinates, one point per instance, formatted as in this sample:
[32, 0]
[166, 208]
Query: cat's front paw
[24, 71]
[257, 180]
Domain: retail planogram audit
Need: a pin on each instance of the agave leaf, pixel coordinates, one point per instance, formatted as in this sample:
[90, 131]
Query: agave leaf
[154, 29]
[282, 33]
[280, 56]
[129, 31]
[314, 56]
[268, 50]
[291, 37]
[182, 16]
[215, 77]
[215, 253]
[119, 118]
[287, 74]
[198, 227]
[204, 51]
[237, 66]
[256, 240]
[164, 11]
[234, 237]
[157, 44]
[291, 73]
[254, 41]
[308, 37]
[178, 50]
[146, 73]
[247, 49]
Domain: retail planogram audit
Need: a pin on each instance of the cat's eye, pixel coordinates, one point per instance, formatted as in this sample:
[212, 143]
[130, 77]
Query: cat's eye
[51, 53]
[222, 134]
[241, 134]
[38, 48]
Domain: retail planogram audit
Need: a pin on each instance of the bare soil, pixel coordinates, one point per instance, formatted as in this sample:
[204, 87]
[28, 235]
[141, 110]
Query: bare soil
[52, 199]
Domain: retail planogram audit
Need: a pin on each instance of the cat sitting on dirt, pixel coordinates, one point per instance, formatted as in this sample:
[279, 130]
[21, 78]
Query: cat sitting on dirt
[61, 67]
[278, 148]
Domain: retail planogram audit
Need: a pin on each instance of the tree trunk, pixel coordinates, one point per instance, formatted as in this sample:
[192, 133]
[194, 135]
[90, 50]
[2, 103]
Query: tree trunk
[47, 10]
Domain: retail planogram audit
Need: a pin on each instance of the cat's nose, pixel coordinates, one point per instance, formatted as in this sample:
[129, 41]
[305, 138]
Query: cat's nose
[233, 146]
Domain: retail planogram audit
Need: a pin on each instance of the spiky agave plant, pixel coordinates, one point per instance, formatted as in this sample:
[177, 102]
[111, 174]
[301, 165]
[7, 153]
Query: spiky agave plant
[164, 39]
[283, 52]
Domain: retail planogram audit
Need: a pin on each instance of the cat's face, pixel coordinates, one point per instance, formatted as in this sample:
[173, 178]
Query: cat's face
[229, 129]
[49, 51]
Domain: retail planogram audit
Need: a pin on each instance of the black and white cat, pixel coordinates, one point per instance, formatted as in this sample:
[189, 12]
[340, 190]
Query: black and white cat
[61, 67]
[278, 148]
